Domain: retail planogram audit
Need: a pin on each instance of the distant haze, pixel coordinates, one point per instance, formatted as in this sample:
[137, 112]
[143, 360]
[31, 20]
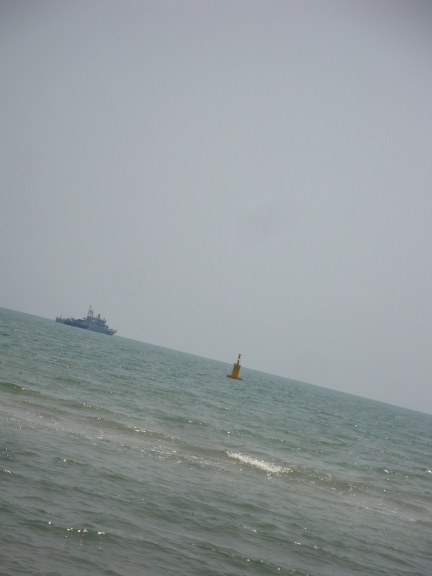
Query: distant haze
[224, 177]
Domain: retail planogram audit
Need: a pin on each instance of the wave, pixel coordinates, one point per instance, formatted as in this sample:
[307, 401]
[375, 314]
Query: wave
[12, 388]
[268, 467]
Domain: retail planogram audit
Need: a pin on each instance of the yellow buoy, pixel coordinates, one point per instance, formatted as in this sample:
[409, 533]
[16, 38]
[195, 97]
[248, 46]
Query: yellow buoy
[236, 369]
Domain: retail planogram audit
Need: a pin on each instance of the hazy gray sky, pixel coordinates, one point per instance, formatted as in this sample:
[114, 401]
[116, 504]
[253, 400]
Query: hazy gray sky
[227, 176]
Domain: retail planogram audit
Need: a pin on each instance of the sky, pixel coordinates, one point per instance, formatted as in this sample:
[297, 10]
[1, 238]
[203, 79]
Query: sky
[227, 176]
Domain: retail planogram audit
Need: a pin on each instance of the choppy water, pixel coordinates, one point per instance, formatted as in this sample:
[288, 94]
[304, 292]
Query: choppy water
[122, 458]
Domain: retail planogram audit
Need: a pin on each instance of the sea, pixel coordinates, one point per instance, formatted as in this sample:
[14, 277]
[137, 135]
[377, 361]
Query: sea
[121, 458]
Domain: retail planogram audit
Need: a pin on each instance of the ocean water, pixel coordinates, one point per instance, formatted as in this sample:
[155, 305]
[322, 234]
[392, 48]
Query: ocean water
[122, 458]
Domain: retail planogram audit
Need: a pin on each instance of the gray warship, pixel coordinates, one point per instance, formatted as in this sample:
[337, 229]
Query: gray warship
[90, 322]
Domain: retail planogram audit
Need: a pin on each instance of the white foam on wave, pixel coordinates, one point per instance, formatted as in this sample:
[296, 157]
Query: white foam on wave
[256, 463]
